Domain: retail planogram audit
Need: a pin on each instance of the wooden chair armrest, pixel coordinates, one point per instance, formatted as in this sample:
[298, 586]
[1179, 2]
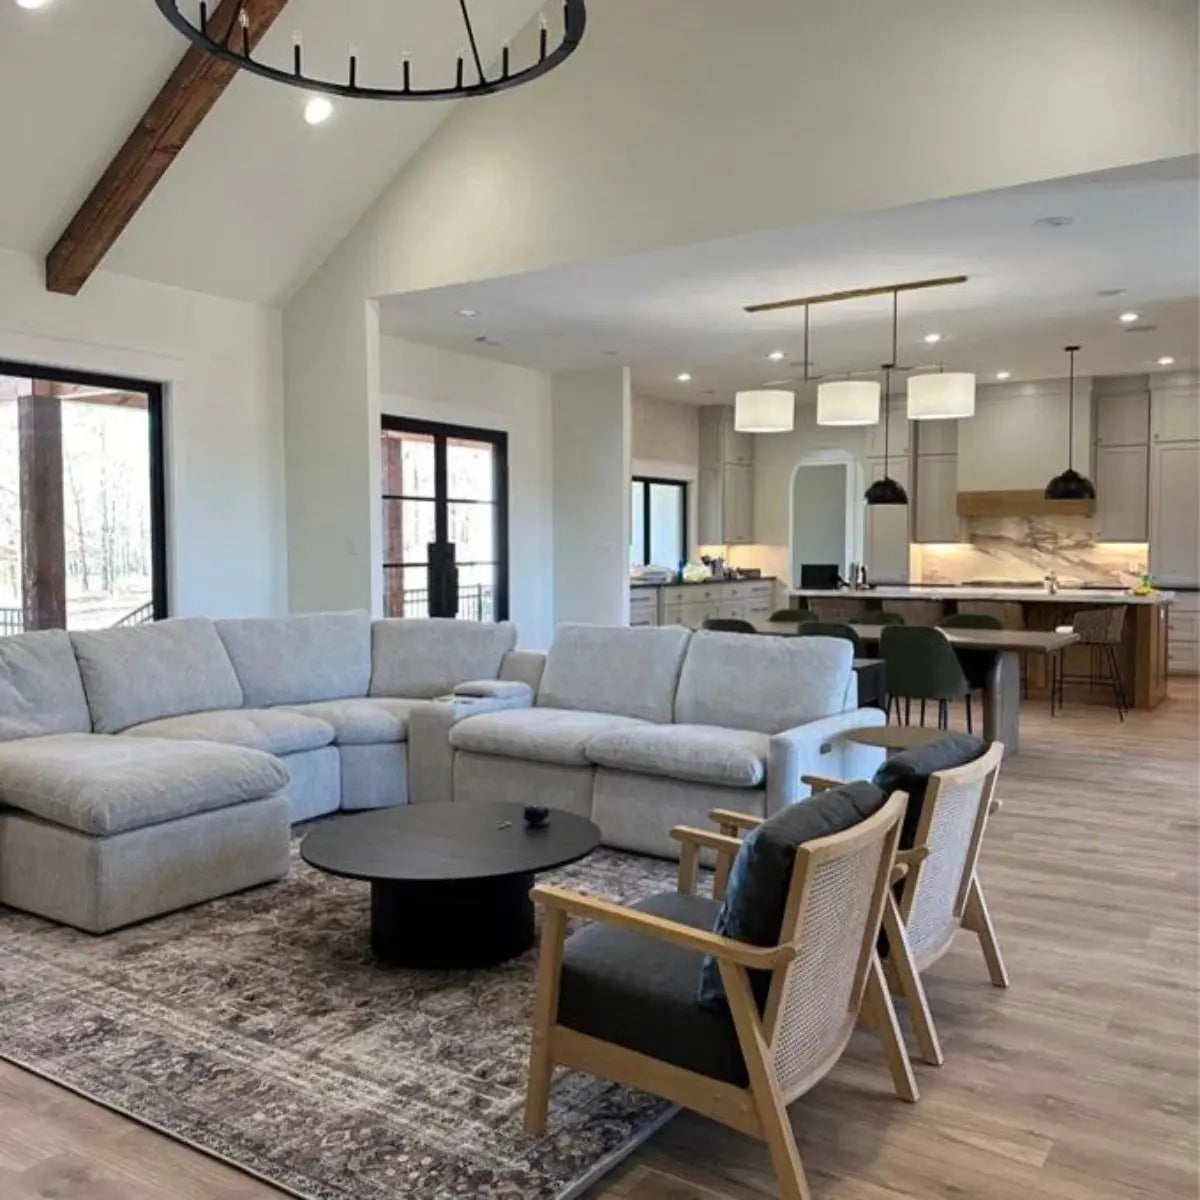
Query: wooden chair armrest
[720, 842]
[735, 820]
[906, 860]
[673, 932]
[819, 783]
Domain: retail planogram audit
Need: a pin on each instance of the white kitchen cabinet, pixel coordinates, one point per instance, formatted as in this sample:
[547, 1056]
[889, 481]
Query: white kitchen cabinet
[1175, 512]
[1123, 418]
[738, 505]
[1174, 412]
[1122, 493]
[886, 531]
[1183, 641]
[936, 437]
[936, 499]
[720, 442]
[898, 433]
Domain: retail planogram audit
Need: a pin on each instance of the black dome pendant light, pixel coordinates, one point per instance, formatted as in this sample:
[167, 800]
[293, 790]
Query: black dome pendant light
[1070, 485]
[887, 490]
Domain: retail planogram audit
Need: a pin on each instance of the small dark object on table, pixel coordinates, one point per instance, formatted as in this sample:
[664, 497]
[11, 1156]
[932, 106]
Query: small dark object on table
[537, 816]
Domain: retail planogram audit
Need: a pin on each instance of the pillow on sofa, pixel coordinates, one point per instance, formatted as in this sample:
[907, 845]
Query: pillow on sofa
[909, 772]
[302, 659]
[423, 658]
[756, 894]
[40, 688]
[165, 669]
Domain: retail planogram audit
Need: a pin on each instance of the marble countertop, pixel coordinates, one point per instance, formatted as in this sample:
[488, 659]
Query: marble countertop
[1029, 595]
[703, 582]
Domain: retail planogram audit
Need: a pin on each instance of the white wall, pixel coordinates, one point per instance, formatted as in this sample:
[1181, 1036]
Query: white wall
[819, 516]
[460, 389]
[591, 423]
[696, 97]
[221, 362]
[666, 445]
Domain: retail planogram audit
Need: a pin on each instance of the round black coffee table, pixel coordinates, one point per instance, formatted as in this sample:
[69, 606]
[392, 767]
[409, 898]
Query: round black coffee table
[449, 882]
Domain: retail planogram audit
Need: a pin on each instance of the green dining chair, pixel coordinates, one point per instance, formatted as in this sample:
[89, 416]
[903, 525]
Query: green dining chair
[921, 665]
[976, 664]
[798, 615]
[833, 629]
[728, 625]
[883, 617]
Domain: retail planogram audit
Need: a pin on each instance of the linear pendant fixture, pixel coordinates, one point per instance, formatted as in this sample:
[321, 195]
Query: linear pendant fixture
[1070, 485]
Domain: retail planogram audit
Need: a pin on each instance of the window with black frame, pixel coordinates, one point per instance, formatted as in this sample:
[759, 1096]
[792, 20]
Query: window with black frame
[659, 530]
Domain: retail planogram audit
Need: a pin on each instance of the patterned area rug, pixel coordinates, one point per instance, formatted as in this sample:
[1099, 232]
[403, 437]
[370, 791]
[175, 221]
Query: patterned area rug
[258, 1029]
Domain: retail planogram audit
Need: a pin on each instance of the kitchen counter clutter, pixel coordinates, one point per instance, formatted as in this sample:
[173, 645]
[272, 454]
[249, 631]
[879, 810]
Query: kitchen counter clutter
[691, 604]
[1033, 593]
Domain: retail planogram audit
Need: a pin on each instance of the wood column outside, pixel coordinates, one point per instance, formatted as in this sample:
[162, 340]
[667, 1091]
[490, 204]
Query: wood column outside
[43, 548]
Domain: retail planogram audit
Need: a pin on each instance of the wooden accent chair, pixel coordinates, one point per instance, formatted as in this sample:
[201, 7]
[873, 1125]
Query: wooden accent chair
[938, 891]
[744, 1065]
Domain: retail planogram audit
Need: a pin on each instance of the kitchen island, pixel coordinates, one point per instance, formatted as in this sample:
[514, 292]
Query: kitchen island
[1141, 656]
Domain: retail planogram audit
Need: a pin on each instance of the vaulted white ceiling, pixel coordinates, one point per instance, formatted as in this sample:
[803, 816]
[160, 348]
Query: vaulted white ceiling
[257, 198]
[1033, 287]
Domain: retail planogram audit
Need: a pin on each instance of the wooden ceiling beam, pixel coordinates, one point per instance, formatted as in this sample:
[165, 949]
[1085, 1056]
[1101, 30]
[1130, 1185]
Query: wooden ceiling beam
[173, 116]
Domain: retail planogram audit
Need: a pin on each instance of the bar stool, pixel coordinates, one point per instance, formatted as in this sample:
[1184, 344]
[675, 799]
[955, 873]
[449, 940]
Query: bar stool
[1102, 629]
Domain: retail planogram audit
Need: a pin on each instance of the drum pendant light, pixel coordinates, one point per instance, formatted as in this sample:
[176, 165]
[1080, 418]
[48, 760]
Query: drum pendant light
[946, 396]
[1070, 485]
[764, 411]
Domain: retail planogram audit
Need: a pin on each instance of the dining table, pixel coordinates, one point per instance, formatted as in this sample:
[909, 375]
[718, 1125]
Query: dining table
[1002, 690]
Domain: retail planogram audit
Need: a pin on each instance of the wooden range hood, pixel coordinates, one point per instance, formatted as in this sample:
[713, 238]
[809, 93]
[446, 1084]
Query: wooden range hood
[1020, 504]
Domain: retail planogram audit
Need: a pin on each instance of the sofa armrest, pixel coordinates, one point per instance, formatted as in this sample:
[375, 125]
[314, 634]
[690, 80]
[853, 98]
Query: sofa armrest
[819, 748]
[514, 693]
[430, 755]
[524, 666]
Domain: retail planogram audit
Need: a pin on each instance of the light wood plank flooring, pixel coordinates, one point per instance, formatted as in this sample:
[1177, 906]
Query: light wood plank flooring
[1078, 1084]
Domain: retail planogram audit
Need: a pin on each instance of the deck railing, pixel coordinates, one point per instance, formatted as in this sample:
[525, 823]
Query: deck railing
[476, 602]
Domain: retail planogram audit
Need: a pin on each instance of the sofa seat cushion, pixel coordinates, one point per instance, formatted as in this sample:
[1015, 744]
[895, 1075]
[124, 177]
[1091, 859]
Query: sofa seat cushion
[272, 730]
[367, 722]
[697, 753]
[106, 785]
[549, 735]
[640, 993]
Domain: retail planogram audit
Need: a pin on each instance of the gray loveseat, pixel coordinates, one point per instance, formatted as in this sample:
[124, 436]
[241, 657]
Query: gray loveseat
[148, 768]
[642, 729]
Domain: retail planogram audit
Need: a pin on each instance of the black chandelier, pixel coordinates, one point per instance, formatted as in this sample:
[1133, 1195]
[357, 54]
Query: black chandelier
[233, 39]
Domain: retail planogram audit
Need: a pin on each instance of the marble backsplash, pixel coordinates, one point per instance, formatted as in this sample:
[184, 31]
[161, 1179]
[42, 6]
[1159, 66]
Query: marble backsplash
[1025, 549]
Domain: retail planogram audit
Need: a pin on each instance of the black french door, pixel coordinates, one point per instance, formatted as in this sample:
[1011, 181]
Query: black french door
[445, 520]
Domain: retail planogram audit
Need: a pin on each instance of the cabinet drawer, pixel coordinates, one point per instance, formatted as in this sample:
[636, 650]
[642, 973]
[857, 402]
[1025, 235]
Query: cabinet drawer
[1184, 626]
[1183, 658]
[1185, 602]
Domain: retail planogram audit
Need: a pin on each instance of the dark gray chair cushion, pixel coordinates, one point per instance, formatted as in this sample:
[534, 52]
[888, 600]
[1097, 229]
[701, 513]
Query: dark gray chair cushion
[910, 771]
[756, 894]
[641, 993]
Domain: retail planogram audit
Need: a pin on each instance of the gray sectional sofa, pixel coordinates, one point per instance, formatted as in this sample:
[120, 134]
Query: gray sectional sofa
[642, 729]
[145, 769]
[148, 768]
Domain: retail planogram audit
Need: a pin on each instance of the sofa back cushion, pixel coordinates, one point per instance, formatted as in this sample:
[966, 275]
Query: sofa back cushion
[610, 669]
[427, 658]
[299, 660]
[767, 684]
[40, 688]
[164, 669]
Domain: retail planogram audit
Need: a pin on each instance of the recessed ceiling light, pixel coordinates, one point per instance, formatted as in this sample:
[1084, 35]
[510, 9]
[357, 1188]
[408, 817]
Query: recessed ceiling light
[1166, 361]
[32, 3]
[1111, 292]
[318, 110]
[1128, 318]
[469, 313]
[684, 377]
[933, 338]
[777, 356]
[1002, 375]
[1055, 222]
